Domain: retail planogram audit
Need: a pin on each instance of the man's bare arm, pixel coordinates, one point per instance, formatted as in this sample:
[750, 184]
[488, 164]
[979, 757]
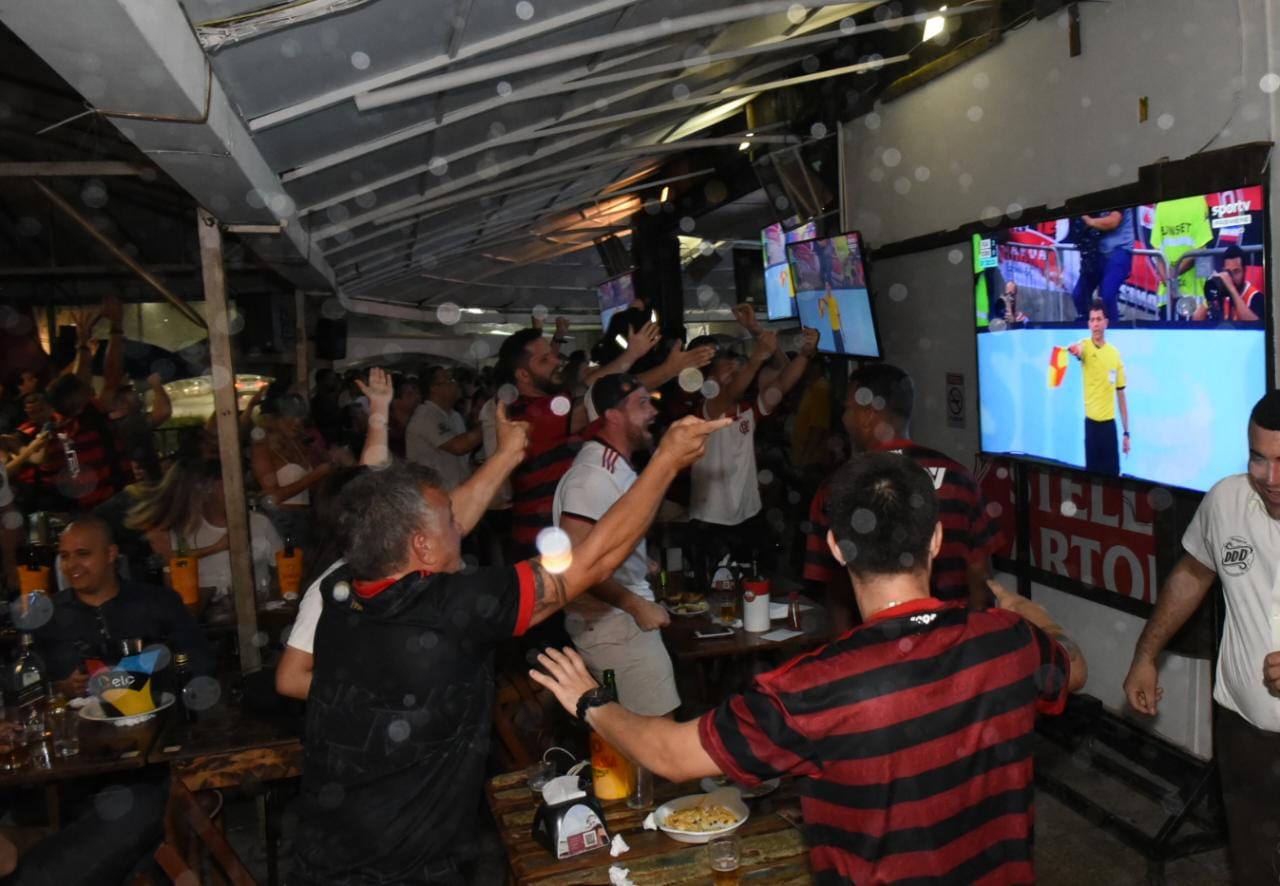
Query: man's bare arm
[666, 748]
[1180, 596]
[612, 539]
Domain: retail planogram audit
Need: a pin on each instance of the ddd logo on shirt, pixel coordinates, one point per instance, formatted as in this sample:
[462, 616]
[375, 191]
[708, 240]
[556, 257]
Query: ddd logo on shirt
[1237, 556]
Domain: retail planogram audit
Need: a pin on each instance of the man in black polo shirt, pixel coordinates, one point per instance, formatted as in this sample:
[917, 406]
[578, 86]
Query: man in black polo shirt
[400, 708]
[910, 734]
[98, 610]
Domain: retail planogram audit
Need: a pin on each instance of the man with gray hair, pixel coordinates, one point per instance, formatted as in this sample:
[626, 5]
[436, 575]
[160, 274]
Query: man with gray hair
[400, 708]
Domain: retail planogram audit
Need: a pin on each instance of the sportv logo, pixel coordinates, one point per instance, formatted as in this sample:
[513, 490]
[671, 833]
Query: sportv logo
[1237, 556]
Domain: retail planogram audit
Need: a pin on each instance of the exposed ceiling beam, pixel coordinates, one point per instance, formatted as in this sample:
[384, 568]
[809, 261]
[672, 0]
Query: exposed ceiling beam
[595, 158]
[72, 169]
[660, 30]
[550, 87]
[512, 37]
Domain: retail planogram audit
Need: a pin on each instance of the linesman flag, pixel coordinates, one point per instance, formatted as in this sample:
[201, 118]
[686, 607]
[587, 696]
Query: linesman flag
[1057, 367]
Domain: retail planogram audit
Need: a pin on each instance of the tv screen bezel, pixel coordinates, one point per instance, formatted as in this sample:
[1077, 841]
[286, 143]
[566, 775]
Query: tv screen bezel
[1030, 218]
[871, 302]
[787, 230]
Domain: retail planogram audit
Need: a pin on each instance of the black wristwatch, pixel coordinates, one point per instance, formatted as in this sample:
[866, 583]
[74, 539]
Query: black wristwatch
[593, 698]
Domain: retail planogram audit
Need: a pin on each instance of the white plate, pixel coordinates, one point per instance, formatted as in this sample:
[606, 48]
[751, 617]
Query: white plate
[93, 711]
[704, 608]
[730, 798]
[716, 782]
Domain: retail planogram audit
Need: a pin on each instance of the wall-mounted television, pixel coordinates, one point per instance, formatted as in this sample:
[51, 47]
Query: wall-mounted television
[780, 294]
[614, 295]
[831, 294]
[1177, 351]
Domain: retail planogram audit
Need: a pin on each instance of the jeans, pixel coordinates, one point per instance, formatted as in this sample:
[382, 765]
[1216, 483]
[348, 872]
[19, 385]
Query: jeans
[1105, 274]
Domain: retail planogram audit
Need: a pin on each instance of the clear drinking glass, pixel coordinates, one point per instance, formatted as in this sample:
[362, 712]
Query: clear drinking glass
[65, 723]
[641, 796]
[723, 856]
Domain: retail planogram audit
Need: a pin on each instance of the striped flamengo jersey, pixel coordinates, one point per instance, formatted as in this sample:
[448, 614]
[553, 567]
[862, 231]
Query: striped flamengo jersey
[548, 458]
[969, 531]
[911, 737]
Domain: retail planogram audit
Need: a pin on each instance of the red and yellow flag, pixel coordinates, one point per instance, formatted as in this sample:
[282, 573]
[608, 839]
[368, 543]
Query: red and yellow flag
[1057, 367]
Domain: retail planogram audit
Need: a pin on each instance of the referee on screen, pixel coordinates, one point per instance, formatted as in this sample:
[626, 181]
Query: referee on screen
[1103, 374]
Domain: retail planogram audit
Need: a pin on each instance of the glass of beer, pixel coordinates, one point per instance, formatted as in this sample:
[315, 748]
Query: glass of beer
[723, 854]
[728, 609]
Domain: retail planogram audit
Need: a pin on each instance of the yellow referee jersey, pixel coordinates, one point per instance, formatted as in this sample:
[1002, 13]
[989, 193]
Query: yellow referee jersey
[833, 311]
[1103, 376]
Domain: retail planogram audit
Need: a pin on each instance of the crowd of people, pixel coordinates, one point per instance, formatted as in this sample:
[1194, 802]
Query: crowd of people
[448, 517]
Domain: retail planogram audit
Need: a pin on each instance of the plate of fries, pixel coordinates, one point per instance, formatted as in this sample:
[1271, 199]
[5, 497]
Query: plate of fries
[700, 817]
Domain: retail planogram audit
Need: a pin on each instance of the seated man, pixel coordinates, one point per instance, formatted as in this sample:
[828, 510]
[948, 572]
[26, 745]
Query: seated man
[98, 610]
[400, 705]
[912, 731]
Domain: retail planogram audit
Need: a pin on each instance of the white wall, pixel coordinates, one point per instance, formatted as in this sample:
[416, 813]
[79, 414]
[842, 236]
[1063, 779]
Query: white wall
[1024, 125]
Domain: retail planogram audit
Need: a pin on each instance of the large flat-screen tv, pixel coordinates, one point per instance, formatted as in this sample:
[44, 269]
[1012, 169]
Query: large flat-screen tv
[780, 294]
[614, 295]
[1176, 351]
[832, 296]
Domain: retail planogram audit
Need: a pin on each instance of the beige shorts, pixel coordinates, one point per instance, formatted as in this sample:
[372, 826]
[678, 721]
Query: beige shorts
[638, 659]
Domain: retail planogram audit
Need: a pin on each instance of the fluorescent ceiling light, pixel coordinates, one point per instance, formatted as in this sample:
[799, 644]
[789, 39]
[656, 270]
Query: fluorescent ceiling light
[933, 25]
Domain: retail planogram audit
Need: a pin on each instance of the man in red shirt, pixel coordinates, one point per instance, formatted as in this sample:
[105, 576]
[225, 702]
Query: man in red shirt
[877, 417]
[911, 735]
[531, 365]
[88, 468]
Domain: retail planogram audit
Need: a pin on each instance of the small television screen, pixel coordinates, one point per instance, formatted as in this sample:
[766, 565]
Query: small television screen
[1147, 318]
[780, 295]
[831, 294]
[614, 295]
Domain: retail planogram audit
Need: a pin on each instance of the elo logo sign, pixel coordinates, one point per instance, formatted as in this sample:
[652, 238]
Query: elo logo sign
[1237, 556]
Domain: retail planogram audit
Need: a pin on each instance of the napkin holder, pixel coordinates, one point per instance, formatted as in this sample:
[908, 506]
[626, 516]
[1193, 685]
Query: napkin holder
[569, 821]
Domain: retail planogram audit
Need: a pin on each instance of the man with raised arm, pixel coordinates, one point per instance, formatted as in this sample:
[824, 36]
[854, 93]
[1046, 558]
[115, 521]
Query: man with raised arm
[724, 501]
[400, 708]
[616, 624]
[1235, 539]
[912, 733]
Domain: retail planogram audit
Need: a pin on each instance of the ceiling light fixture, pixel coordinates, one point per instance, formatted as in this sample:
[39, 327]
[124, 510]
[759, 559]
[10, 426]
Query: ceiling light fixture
[744, 146]
[933, 25]
[666, 192]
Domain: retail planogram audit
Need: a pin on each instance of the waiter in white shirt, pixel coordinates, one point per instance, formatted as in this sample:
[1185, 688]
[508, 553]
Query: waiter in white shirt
[1235, 538]
[437, 436]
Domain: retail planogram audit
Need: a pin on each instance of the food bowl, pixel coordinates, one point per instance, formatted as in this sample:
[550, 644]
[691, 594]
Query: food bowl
[729, 798]
[93, 712]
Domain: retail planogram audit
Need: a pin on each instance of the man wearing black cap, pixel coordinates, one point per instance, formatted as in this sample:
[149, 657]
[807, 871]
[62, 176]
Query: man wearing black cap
[615, 625]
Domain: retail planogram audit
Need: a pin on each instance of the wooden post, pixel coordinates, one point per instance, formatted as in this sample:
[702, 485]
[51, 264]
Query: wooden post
[300, 336]
[224, 402]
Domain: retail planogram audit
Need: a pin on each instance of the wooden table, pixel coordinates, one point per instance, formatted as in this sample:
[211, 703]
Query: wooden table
[104, 748]
[228, 747]
[680, 639]
[773, 851]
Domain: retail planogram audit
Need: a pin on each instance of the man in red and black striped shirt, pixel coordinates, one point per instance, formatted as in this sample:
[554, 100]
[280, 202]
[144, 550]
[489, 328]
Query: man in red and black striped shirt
[877, 417]
[910, 735]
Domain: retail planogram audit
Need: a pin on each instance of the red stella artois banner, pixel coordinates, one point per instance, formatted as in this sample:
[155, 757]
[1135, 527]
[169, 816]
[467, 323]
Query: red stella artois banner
[1086, 529]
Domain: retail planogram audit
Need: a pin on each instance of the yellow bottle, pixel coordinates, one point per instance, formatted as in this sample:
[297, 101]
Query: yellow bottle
[612, 775]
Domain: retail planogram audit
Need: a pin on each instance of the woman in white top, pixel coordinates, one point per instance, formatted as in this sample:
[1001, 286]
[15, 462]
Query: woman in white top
[188, 509]
[285, 466]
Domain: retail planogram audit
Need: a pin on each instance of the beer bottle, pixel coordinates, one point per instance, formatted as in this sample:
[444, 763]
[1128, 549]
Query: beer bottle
[612, 777]
[181, 677]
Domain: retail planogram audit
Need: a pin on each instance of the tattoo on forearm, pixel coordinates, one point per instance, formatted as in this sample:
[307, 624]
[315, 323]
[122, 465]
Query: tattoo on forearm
[1073, 651]
[549, 592]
